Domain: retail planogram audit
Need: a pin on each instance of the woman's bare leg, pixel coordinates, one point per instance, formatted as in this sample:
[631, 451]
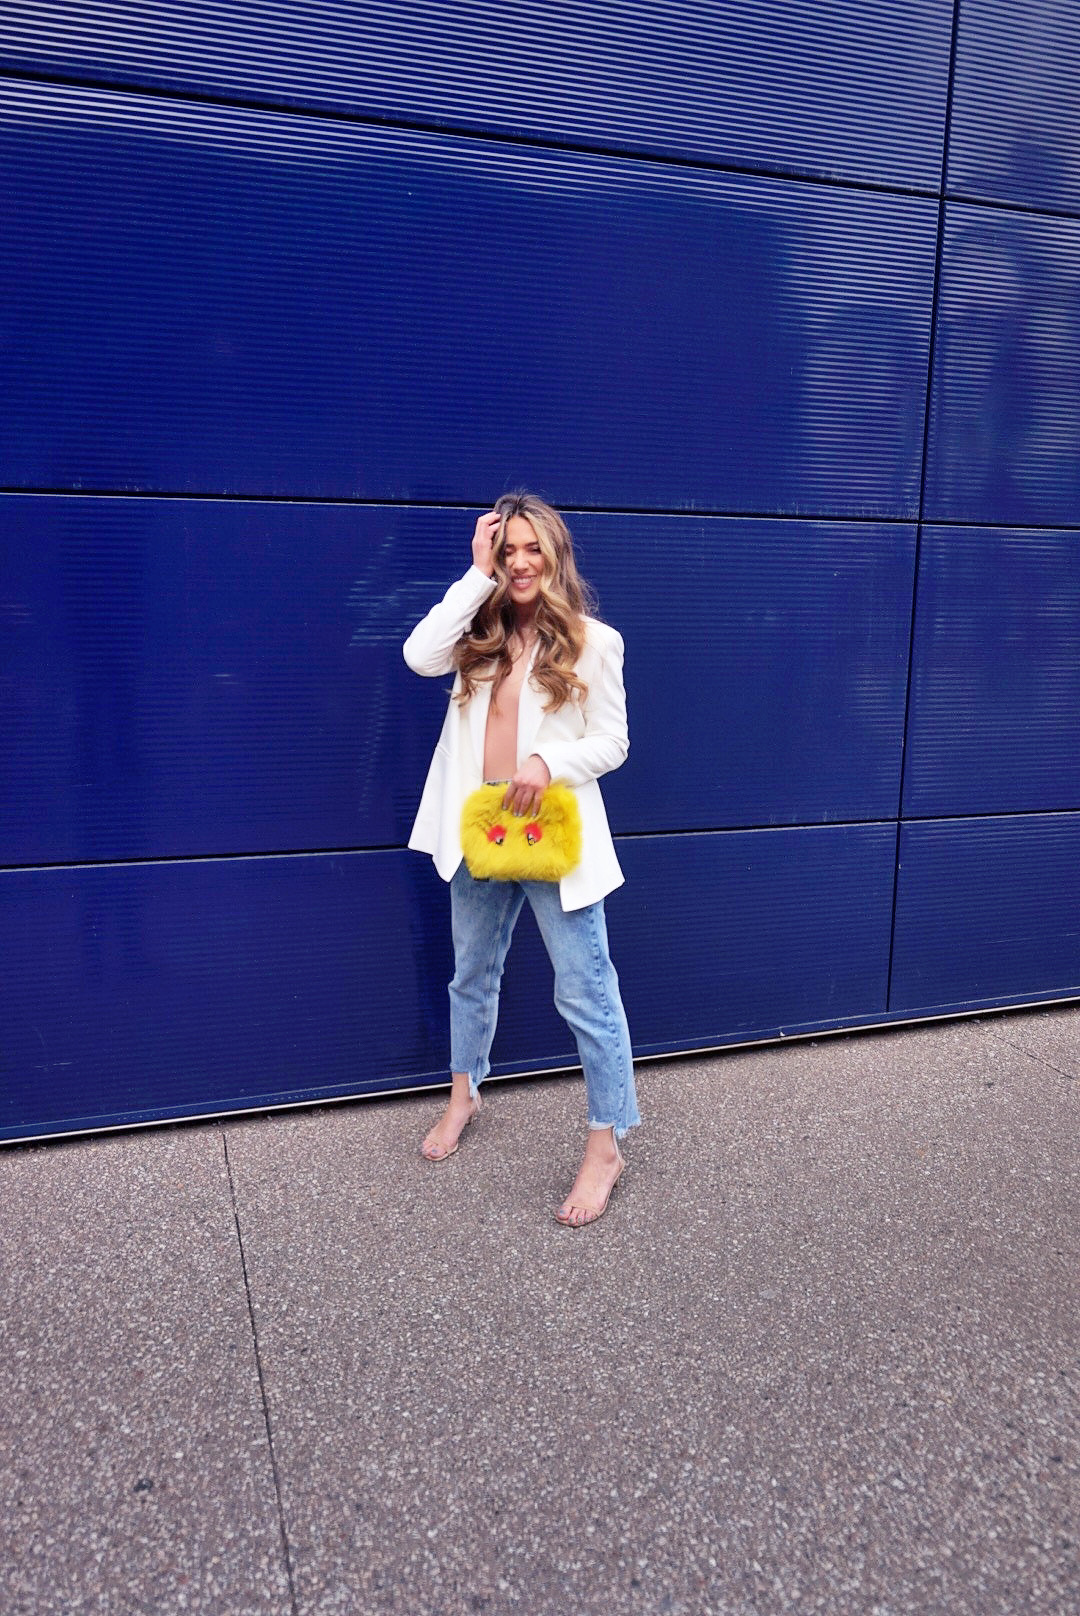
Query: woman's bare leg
[596, 1175]
[444, 1136]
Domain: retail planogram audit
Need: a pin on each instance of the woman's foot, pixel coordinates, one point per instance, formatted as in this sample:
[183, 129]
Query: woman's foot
[597, 1177]
[442, 1140]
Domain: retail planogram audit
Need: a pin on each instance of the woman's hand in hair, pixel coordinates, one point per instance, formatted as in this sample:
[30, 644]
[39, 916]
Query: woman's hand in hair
[526, 790]
[483, 537]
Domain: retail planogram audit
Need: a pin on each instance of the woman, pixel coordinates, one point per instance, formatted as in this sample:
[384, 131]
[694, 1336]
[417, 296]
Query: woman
[538, 695]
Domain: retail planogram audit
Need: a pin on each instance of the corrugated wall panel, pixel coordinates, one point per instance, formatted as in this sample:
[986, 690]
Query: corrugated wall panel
[135, 991]
[987, 908]
[753, 931]
[203, 299]
[788, 644]
[247, 257]
[757, 85]
[994, 723]
[214, 676]
[1016, 103]
[188, 677]
[1005, 414]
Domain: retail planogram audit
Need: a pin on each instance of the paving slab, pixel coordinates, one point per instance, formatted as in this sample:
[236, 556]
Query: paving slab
[821, 1354]
[135, 1466]
[1052, 1035]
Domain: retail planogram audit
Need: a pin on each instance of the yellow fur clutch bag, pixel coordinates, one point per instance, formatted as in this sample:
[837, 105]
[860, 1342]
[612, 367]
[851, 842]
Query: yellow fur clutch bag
[499, 846]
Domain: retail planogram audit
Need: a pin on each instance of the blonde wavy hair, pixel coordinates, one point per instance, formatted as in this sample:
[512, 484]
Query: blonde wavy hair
[565, 600]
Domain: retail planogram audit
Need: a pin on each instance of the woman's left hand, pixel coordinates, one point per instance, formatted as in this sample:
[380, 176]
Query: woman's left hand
[526, 790]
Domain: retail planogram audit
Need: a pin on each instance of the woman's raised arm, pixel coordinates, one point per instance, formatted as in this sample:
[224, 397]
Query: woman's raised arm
[429, 647]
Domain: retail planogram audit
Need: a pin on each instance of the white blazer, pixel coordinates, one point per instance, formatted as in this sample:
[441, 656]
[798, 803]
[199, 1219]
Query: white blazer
[579, 742]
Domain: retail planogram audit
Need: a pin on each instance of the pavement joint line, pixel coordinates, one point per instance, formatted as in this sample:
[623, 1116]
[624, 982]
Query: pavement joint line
[1040, 1060]
[294, 1606]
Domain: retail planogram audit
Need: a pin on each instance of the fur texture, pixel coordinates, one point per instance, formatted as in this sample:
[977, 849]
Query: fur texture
[497, 846]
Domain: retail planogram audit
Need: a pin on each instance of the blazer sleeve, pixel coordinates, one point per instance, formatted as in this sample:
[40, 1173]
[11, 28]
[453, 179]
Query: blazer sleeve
[605, 742]
[430, 646]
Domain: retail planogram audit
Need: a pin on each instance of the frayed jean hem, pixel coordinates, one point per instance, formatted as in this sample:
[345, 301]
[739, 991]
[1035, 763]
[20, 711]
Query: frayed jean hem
[476, 1077]
[620, 1131]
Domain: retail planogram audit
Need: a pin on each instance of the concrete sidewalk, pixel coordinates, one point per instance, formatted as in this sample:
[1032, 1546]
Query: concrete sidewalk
[822, 1354]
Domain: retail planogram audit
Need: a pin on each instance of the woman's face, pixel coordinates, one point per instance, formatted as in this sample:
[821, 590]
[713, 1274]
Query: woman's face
[523, 561]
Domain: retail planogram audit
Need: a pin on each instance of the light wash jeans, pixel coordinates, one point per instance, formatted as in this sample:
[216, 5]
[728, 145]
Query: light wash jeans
[483, 915]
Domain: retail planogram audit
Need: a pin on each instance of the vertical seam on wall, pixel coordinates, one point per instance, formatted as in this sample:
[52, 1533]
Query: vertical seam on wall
[922, 479]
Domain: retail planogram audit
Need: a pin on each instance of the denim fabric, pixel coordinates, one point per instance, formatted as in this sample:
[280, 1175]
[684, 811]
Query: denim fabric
[483, 915]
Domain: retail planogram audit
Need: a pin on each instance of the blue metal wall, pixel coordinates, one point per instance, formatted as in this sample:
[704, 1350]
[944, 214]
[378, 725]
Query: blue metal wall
[780, 303]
